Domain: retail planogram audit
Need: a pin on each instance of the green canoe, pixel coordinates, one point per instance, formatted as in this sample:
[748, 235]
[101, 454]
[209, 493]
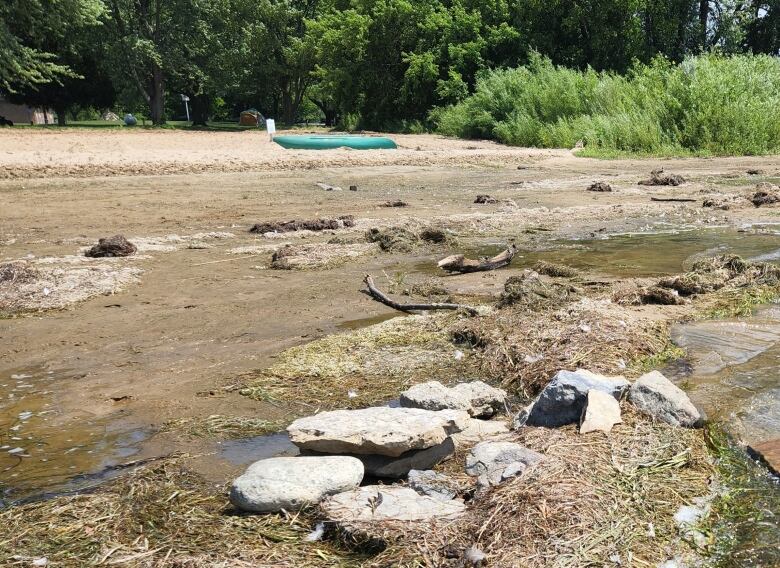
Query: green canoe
[327, 142]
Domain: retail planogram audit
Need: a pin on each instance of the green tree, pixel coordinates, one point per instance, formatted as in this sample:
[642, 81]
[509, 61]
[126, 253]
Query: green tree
[32, 35]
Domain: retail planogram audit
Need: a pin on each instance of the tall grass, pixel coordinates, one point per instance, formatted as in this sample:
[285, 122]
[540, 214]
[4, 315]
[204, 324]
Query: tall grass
[708, 104]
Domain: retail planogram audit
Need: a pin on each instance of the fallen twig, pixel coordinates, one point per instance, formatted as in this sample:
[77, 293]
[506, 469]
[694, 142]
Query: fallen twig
[376, 294]
[672, 199]
[459, 263]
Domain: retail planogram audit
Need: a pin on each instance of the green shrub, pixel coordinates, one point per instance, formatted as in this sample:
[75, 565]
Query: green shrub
[708, 104]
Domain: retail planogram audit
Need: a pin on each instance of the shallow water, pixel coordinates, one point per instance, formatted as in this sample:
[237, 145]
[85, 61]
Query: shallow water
[657, 254]
[734, 373]
[38, 454]
[638, 254]
[245, 451]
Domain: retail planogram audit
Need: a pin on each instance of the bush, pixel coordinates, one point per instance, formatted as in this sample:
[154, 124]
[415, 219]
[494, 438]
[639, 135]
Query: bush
[707, 104]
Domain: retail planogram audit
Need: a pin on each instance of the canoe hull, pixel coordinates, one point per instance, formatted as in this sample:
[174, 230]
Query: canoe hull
[320, 142]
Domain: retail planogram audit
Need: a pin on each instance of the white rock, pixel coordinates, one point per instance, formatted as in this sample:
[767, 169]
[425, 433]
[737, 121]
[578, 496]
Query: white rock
[601, 412]
[379, 430]
[374, 503]
[290, 483]
[476, 397]
[657, 396]
[497, 461]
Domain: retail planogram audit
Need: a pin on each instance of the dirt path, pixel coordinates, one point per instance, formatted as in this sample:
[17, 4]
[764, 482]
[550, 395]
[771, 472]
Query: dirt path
[163, 349]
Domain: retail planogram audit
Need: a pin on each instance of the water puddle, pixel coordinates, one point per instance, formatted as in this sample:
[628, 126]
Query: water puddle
[245, 451]
[39, 454]
[360, 323]
[638, 254]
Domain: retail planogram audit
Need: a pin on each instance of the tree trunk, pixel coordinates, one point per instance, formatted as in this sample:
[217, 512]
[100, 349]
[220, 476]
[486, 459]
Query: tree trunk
[201, 107]
[704, 16]
[157, 97]
[61, 120]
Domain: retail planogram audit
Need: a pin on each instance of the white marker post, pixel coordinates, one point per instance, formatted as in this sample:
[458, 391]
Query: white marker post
[270, 126]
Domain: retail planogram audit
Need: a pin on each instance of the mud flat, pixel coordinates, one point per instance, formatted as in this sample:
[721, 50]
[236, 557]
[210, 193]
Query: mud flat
[206, 351]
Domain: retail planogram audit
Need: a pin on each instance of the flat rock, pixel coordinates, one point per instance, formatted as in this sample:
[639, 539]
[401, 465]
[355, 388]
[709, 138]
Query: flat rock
[768, 452]
[654, 394]
[364, 506]
[387, 466]
[601, 412]
[292, 482]
[476, 398]
[433, 484]
[493, 462]
[563, 399]
[477, 431]
[378, 430]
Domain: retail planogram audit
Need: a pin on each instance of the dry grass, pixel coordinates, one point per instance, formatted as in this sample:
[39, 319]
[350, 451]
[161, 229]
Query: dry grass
[156, 517]
[363, 367]
[593, 500]
[526, 348]
[57, 283]
[319, 255]
[223, 427]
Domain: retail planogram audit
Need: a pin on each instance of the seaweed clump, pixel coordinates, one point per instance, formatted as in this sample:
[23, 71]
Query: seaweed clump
[766, 194]
[400, 239]
[531, 292]
[659, 177]
[117, 245]
[555, 270]
[304, 225]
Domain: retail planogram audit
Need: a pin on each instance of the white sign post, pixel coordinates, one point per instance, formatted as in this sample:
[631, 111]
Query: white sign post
[270, 126]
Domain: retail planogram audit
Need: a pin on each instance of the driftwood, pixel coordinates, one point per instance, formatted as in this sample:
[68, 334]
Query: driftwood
[681, 199]
[459, 263]
[376, 294]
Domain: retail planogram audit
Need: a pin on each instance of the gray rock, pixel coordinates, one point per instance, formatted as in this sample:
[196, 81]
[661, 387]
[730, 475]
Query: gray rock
[493, 462]
[387, 466]
[361, 507]
[433, 484]
[379, 430]
[563, 399]
[477, 398]
[290, 483]
[601, 413]
[657, 396]
[480, 430]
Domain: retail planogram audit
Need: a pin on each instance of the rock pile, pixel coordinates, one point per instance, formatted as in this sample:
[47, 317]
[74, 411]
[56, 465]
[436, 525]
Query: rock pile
[340, 447]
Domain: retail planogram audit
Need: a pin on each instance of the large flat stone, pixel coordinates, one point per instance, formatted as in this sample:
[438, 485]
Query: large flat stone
[657, 396]
[379, 430]
[397, 467]
[493, 462]
[563, 399]
[381, 503]
[291, 482]
[475, 397]
[601, 412]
